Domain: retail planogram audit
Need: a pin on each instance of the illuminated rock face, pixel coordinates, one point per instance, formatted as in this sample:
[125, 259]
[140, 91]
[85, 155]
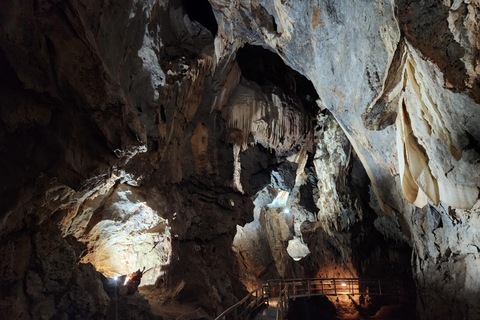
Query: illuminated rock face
[118, 116]
[122, 234]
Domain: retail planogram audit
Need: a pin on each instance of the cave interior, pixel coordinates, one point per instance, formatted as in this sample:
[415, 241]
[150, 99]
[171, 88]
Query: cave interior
[213, 145]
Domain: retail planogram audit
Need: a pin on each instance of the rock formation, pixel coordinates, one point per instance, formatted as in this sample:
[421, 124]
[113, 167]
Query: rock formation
[319, 138]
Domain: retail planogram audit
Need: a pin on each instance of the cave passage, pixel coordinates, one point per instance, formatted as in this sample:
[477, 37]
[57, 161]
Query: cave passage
[276, 202]
[267, 69]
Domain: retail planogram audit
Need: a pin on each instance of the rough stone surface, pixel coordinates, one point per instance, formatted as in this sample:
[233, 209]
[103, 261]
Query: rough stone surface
[426, 72]
[118, 116]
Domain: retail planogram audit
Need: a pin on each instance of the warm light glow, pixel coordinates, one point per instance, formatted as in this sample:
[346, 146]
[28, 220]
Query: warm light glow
[344, 284]
[127, 278]
[142, 239]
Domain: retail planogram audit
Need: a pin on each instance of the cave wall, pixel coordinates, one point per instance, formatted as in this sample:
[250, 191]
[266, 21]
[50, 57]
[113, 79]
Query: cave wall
[97, 95]
[107, 136]
[401, 81]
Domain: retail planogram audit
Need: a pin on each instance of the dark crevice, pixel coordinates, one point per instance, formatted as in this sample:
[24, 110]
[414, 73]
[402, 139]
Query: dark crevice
[472, 143]
[307, 200]
[266, 68]
[274, 24]
[162, 114]
[201, 11]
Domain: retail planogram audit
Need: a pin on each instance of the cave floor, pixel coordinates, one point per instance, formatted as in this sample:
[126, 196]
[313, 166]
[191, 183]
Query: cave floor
[167, 308]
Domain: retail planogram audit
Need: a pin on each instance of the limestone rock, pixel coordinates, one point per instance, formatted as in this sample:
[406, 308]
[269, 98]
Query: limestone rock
[297, 250]
[117, 116]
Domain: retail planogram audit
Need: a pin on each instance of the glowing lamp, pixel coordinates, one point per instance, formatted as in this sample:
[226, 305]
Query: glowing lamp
[344, 284]
[115, 278]
[286, 210]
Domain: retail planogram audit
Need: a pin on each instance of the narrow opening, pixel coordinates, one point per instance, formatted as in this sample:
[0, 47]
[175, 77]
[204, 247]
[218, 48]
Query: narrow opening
[201, 11]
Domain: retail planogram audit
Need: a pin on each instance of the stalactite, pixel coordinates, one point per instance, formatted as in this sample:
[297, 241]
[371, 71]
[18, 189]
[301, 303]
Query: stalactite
[416, 178]
[237, 169]
[270, 120]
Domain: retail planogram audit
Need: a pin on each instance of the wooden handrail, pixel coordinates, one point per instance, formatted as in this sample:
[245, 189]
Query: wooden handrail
[259, 299]
[291, 288]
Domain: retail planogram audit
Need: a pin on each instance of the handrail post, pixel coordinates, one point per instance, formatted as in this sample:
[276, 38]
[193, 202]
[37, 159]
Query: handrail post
[335, 286]
[379, 287]
[323, 291]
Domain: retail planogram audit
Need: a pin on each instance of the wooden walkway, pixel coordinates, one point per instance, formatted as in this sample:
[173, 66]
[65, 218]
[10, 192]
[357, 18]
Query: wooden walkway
[332, 287]
[278, 292]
